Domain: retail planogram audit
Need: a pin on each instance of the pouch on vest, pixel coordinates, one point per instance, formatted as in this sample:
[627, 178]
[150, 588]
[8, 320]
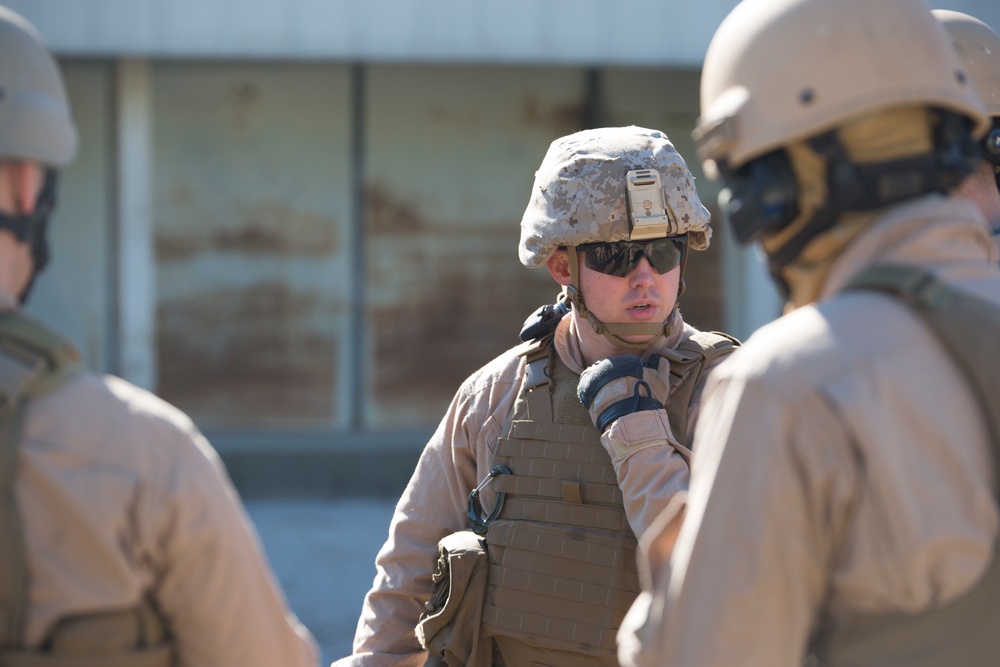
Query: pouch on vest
[449, 628]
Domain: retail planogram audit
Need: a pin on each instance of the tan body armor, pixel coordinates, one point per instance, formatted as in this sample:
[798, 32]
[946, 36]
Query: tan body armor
[562, 554]
[963, 632]
[33, 361]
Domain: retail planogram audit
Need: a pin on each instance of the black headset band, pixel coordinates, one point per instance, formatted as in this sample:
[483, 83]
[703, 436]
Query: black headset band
[868, 187]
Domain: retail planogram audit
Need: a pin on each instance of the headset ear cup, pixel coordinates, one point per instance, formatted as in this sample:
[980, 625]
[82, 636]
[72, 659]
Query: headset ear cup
[990, 145]
[761, 196]
[956, 151]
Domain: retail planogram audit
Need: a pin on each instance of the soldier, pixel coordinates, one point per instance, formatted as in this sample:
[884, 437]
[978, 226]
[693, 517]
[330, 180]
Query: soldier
[978, 48]
[843, 496]
[569, 468]
[122, 542]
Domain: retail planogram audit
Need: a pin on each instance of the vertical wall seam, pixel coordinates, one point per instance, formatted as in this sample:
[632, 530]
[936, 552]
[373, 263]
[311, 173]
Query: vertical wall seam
[135, 257]
[356, 257]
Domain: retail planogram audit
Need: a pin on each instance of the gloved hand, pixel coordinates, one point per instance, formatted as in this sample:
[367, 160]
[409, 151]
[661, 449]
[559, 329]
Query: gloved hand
[619, 386]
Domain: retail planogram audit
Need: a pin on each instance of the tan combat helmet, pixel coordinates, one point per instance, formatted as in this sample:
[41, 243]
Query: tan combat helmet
[778, 71]
[978, 48]
[580, 195]
[35, 125]
[782, 73]
[35, 119]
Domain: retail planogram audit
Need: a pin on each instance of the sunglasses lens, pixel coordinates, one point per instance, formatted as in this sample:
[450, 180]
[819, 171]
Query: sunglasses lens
[667, 256]
[620, 258]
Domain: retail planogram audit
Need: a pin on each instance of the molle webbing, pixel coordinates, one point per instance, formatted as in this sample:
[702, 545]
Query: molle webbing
[964, 632]
[687, 363]
[32, 360]
[562, 554]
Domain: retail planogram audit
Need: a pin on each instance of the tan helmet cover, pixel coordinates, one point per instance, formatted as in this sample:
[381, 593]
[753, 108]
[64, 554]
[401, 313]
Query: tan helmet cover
[779, 71]
[579, 195]
[978, 48]
[35, 119]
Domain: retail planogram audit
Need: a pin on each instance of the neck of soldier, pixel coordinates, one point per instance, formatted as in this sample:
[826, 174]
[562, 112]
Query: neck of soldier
[594, 347]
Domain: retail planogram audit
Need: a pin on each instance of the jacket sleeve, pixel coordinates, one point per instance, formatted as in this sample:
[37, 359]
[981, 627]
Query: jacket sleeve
[215, 588]
[773, 479]
[432, 505]
[650, 464]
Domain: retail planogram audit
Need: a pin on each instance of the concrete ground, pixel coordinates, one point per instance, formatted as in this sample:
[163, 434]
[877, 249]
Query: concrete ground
[323, 553]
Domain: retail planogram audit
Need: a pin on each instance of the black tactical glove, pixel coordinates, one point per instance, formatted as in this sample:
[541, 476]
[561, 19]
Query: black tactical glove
[619, 386]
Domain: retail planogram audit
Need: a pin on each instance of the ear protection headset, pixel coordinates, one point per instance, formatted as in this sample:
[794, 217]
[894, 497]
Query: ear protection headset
[762, 196]
[990, 149]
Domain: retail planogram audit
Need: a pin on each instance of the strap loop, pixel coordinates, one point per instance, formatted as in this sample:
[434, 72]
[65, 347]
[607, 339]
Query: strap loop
[476, 522]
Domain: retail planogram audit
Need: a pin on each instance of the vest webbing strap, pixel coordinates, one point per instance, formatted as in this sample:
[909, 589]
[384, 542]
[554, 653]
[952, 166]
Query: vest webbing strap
[547, 487]
[598, 549]
[563, 433]
[963, 632]
[550, 451]
[569, 635]
[570, 514]
[552, 585]
[562, 469]
[687, 363]
[32, 361]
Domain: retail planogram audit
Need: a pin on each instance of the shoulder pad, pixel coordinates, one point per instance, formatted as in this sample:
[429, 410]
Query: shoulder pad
[543, 321]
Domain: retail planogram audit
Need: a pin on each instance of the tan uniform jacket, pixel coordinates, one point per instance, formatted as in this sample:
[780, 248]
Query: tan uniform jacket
[842, 465]
[457, 457]
[120, 497]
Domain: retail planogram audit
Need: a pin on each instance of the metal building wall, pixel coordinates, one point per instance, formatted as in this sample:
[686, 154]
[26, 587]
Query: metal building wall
[76, 292]
[669, 33]
[451, 153]
[309, 255]
[334, 246]
[252, 211]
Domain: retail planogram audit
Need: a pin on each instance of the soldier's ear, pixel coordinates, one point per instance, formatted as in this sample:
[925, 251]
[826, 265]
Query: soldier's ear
[22, 181]
[558, 266]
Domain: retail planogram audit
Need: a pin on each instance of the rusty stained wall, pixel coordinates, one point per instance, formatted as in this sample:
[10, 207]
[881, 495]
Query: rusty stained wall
[451, 154]
[667, 100]
[74, 294]
[252, 209]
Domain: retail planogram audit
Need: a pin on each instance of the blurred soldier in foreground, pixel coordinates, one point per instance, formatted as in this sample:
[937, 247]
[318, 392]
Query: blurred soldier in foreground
[843, 501]
[569, 444]
[978, 48]
[122, 543]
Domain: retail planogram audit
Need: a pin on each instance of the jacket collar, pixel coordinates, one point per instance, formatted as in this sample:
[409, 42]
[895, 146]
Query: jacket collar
[933, 231]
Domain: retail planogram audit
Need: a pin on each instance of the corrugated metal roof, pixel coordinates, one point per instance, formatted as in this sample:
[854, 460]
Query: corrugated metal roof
[665, 33]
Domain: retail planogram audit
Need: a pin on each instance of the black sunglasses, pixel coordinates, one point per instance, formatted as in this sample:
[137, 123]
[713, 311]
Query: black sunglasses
[619, 258]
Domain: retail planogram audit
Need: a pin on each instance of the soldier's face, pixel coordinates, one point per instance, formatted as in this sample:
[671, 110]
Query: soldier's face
[642, 296]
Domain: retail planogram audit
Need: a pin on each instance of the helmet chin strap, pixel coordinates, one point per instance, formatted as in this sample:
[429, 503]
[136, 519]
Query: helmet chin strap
[615, 331]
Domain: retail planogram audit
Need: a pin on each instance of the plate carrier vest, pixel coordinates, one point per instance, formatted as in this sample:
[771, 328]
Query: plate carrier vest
[33, 360]
[965, 631]
[562, 554]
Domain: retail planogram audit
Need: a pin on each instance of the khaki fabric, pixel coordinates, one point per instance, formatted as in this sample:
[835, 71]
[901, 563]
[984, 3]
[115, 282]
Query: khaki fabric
[456, 458]
[562, 553]
[962, 632]
[121, 498]
[842, 466]
[449, 628]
